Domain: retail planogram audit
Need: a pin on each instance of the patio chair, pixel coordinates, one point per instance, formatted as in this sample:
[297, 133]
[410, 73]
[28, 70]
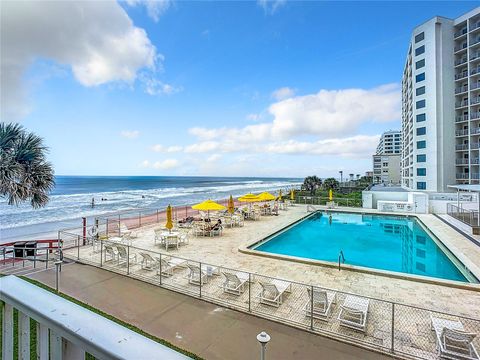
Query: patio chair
[148, 262]
[272, 293]
[168, 265]
[199, 228]
[353, 313]
[158, 236]
[183, 238]
[124, 257]
[197, 276]
[234, 282]
[322, 303]
[453, 342]
[109, 251]
[171, 241]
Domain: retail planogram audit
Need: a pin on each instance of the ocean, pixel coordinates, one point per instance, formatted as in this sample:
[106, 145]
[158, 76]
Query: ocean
[71, 199]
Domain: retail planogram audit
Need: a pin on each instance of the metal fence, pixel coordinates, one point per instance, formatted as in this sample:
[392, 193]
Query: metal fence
[389, 327]
[469, 217]
[316, 200]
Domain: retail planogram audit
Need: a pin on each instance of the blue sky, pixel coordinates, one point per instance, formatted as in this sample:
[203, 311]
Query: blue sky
[209, 88]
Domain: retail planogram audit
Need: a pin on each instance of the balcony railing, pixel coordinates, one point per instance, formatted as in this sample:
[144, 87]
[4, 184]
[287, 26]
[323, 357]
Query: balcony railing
[475, 26]
[475, 41]
[461, 132]
[461, 61]
[460, 32]
[461, 118]
[475, 131]
[475, 100]
[461, 103]
[475, 71]
[461, 161]
[462, 176]
[475, 116]
[475, 55]
[475, 146]
[461, 89]
[475, 86]
[461, 75]
[461, 147]
[460, 47]
[66, 330]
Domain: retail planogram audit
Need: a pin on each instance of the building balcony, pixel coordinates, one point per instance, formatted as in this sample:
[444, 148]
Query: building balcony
[475, 86]
[460, 47]
[462, 176]
[461, 89]
[461, 147]
[460, 104]
[475, 176]
[475, 161]
[475, 42]
[461, 75]
[475, 146]
[461, 161]
[475, 71]
[462, 132]
[461, 61]
[475, 56]
[461, 118]
[460, 33]
[475, 26]
[474, 116]
[475, 100]
[475, 131]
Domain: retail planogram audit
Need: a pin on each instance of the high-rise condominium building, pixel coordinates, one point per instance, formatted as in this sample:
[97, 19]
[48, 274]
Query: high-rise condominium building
[386, 161]
[441, 104]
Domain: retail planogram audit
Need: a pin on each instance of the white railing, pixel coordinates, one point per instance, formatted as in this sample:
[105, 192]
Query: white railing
[72, 329]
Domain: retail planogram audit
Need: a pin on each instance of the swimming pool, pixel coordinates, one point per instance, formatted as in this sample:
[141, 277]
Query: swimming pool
[393, 243]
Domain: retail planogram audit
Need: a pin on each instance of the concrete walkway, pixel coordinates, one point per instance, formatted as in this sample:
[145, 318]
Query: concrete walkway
[207, 330]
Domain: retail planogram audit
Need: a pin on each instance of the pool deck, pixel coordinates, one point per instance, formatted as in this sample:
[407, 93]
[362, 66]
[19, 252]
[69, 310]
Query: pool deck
[225, 251]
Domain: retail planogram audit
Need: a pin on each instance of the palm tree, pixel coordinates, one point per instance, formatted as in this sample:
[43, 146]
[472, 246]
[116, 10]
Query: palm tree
[330, 183]
[25, 175]
[311, 184]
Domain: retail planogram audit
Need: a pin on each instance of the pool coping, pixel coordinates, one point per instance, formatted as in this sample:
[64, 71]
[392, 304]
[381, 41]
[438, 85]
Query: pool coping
[245, 248]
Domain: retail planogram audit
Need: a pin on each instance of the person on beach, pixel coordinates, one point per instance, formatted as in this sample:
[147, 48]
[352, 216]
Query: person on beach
[93, 202]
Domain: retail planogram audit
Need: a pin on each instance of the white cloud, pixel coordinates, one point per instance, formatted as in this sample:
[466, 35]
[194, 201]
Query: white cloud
[271, 6]
[166, 149]
[166, 164]
[95, 39]
[283, 93]
[155, 8]
[253, 117]
[214, 158]
[154, 86]
[130, 134]
[145, 164]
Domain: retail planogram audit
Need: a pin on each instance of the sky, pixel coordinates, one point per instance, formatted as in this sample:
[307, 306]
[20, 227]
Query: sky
[249, 88]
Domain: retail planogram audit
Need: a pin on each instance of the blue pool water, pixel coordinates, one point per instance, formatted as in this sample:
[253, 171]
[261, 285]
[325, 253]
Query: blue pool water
[375, 241]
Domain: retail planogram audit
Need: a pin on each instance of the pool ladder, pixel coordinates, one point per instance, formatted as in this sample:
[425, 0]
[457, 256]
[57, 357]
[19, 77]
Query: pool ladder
[341, 258]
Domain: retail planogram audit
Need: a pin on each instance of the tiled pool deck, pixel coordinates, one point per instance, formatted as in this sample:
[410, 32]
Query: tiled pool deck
[412, 327]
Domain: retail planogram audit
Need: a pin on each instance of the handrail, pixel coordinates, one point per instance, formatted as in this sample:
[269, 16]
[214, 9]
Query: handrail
[82, 329]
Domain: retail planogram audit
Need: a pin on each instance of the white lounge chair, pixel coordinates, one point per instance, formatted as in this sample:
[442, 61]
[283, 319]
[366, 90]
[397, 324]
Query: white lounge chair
[124, 257]
[272, 292]
[197, 276]
[234, 282]
[353, 312]
[110, 252]
[322, 303]
[124, 231]
[168, 265]
[453, 342]
[148, 262]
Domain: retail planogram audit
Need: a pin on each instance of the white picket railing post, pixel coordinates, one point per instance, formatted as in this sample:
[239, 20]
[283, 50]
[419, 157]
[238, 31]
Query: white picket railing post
[23, 336]
[7, 332]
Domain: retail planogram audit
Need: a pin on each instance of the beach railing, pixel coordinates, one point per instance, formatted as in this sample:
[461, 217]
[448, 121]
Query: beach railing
[388, 327]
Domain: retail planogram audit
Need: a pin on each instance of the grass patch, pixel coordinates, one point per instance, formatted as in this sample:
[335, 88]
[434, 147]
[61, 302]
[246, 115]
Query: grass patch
[33, 327]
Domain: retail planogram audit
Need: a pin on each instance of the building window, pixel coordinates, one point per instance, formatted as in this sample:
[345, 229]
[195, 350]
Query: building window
[421, 144]
[421, 117]
[421, 131]
[419, 37]
[420, 77]
[420, 50]
[419, 64]
[421, 158]
[420, 90]
[420, 104]
[421, 172]
[421, 185]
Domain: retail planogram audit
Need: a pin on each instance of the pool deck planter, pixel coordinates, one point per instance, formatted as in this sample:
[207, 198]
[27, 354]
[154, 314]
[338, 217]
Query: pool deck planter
[474, 269]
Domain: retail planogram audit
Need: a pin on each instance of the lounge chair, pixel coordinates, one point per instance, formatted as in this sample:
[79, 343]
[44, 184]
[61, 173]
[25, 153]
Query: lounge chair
[124, 231]
[234, 282]
[197, 276]
[353, 312]
[453, 342]
[322, 303]
[272, 292]
[109, 251]
[148, 262]
[168, 265]
[124, 257]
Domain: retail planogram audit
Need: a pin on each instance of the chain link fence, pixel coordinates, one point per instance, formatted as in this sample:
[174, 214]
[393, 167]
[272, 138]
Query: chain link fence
[369, 322]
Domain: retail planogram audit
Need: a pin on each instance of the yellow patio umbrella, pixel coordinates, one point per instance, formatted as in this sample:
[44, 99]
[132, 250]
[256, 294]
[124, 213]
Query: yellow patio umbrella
[266, 196]
[169, 224]
[208, 205]
[280, 195]
[249, 198]
[231, 205]
[330, 195]
[292, 194]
